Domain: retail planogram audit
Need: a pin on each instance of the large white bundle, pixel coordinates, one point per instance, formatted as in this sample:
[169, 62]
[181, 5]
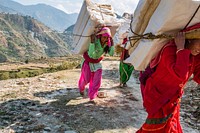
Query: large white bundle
[90, 17]
[165, 17]
[122, 31]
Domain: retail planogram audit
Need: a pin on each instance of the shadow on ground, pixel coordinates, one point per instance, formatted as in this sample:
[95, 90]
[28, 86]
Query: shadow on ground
[63, 110]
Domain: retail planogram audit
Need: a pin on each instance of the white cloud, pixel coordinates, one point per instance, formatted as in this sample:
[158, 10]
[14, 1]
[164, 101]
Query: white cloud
[74, 6]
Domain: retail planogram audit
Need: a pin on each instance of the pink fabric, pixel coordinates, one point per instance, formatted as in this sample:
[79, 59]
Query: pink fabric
[95, 82]
[105, 31]
[94, 78]
[85, 76]
[88, 59]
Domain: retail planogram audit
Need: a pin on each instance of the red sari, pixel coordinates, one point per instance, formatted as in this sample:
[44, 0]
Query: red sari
[164, 88]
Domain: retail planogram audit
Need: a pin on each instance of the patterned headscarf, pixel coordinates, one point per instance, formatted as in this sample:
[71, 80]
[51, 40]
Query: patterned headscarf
[105, 31]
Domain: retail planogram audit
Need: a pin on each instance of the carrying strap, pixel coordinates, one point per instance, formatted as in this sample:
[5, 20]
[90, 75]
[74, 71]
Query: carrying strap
[192, 17]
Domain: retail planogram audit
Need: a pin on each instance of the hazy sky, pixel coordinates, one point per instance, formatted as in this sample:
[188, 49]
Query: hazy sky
[73, 6]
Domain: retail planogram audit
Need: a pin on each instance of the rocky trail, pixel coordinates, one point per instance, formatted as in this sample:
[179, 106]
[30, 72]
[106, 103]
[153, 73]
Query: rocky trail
[51, 103]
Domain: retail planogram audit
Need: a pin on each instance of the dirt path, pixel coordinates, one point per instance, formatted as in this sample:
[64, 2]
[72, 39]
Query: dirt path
[51, 104]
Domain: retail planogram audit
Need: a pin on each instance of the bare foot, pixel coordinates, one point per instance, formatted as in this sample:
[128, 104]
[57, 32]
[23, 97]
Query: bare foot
[124, 85]
[92, 101]
[82, 93]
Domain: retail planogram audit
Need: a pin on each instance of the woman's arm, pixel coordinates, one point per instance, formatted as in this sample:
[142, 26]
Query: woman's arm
[111, 48]
[177, 58]
[177, 62]
[111, 51]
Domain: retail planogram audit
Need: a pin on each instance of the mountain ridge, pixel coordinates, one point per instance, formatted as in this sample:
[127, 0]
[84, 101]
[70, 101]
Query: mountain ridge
[23, 37]
[50, 16]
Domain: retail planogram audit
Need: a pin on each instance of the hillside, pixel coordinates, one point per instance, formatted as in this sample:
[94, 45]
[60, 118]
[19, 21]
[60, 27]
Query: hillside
[50, 16]
[23, 37]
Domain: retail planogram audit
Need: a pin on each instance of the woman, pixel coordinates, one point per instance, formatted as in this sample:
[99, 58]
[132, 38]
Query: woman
[125, 70]
[91, 71]
[163, 89]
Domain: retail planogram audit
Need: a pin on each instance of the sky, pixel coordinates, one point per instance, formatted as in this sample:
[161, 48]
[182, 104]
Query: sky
[74, 6]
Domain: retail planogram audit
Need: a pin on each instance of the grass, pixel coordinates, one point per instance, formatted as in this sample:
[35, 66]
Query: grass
[31, 72]
[52, 65]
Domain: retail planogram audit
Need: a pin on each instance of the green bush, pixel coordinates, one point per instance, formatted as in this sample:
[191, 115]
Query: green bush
[26, 72]
[26, 61]
[4, 75]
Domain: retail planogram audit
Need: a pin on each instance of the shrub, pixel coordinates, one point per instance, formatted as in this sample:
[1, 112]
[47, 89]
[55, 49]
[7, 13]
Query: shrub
[4, 75]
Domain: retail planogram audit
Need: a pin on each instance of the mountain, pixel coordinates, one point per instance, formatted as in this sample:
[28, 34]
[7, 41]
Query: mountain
[23, 37]
[7, 10]
[69, 29]
[50, 16]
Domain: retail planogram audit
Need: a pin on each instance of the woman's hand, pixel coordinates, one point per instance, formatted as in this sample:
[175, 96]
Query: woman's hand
[111, 41]
[180, 40]
[93, 38]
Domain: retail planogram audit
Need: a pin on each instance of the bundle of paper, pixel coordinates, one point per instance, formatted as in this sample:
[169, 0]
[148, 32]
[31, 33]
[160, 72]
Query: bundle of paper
[154, 23]
[91, 18]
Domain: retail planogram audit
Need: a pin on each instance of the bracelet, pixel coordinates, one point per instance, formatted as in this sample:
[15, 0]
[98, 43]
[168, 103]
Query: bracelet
[178, 50]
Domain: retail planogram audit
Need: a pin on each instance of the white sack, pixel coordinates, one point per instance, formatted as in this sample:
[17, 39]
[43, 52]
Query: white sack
[92, 15]
[122, 31]
[169, 17]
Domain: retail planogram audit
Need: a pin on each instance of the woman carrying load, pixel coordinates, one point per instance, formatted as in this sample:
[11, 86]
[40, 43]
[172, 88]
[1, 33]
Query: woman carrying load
[91, 71]
[125, 70]
[163, 89]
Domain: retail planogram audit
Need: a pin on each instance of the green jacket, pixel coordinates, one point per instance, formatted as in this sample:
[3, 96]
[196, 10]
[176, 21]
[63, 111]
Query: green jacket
[95, 51]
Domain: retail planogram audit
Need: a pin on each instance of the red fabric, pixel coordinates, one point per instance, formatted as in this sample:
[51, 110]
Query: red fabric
[124, 54]
[88, 59]
[196, 71]
[172, 125]
[156, 60]
[196, 26]
[165, 86]
[169, 78]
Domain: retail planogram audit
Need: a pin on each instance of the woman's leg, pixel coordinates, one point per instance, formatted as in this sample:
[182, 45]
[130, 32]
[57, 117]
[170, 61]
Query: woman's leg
[85, 77]
[162, 123]
[95, 84]
[125, 71]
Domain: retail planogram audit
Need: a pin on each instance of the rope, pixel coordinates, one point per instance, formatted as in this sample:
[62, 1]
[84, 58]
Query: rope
[131, 26]
[79, 35]
[192, 16]
[151, 36]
